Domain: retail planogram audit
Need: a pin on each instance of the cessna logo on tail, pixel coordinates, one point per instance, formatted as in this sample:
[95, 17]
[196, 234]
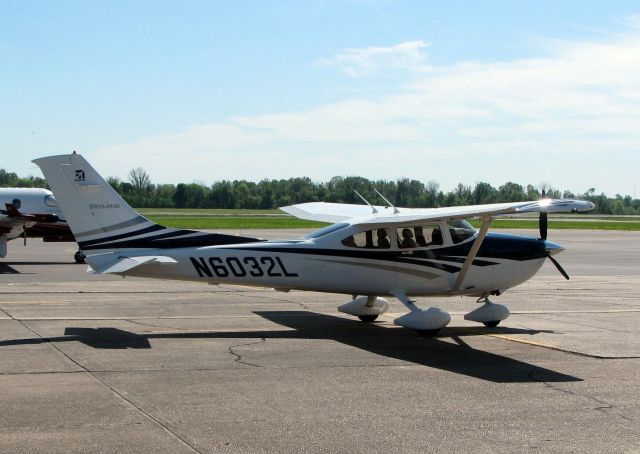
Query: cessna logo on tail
[80, 175]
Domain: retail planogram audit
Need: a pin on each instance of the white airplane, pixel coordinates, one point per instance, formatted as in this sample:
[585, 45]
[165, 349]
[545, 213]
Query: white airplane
[369, 252]
[32, 212]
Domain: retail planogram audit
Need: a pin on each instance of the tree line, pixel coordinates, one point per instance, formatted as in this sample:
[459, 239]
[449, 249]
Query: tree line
[140, 191]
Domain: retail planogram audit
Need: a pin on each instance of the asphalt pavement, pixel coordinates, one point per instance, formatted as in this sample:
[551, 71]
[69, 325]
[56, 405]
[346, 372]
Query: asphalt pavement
[105, 364]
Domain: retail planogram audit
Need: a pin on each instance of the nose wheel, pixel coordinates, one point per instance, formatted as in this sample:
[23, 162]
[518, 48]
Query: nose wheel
[489, 314]
[79, 256]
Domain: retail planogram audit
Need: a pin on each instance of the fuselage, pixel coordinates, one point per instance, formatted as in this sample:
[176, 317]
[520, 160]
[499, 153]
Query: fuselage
[29, 201]
[323, 264]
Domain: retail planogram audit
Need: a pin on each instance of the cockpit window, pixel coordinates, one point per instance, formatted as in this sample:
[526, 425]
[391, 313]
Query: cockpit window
[371, 239]
[50, 201]
[327, 230]
[460, 230]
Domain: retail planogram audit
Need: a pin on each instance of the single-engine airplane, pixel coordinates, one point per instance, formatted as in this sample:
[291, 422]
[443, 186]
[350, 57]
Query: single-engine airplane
[32, 212]
[369, 252]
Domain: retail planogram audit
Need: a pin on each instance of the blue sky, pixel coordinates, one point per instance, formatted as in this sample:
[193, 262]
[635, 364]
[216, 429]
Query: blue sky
[532, 92]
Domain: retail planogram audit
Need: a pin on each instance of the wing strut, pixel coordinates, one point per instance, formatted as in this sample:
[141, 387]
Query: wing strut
[486, 223]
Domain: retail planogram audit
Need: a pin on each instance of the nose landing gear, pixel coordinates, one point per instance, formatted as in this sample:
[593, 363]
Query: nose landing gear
[489, 314]
[79, 256]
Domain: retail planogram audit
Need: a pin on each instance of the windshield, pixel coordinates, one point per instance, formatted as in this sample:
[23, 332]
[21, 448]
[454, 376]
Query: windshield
[326, 230]
[460, 230]
[50, 201]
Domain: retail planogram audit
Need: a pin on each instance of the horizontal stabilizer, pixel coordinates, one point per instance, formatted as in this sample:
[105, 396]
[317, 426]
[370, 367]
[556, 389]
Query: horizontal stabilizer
[124, 264]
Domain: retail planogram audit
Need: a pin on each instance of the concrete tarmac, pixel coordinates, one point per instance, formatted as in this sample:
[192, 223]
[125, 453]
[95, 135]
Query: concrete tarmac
[104, 364]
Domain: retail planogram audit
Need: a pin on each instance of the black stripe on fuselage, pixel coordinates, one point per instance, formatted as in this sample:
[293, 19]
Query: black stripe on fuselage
[166, 241]
[153, 228]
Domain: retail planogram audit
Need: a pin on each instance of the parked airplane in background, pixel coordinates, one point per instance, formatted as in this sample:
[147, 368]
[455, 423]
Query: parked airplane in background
[371, 251]
[32, 212]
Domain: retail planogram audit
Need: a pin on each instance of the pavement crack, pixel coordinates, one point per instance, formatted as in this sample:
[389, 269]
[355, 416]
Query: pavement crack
[164, 328]
[603, 406]
[238, 357]
[288, 301]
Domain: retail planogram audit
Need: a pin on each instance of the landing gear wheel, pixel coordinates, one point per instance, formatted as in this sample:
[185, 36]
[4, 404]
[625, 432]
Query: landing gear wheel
[79, 257]
[491, 324]
[367, 318]
[427, 332]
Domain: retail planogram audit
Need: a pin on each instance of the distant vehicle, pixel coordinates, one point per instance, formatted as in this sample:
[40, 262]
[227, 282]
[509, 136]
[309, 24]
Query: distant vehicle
[32, 212]
[369, 251]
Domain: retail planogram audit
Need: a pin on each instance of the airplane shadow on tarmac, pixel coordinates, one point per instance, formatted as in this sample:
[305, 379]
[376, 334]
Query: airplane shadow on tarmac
[6, 268]
[400, 344]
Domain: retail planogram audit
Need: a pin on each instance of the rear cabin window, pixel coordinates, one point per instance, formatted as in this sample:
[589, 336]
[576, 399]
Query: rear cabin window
[460, 231]
[419, 236]
[371, 239]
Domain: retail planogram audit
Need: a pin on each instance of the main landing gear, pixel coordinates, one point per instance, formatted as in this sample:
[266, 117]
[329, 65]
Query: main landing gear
[366, 308]
[426, 322]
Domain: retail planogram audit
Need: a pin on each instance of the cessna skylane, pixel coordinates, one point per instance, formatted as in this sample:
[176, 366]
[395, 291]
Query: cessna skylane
[368, 252]
[32, 212]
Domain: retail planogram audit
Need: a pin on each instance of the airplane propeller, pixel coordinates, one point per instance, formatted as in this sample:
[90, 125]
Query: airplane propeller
[555, 262]
[543, 222]
[543, 226]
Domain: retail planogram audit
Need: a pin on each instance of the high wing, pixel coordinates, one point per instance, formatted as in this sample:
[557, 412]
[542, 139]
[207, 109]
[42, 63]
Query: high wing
[363, 214]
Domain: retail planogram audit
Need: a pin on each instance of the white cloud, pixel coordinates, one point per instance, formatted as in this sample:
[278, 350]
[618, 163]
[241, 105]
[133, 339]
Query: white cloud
[569, 117]
[360, 62]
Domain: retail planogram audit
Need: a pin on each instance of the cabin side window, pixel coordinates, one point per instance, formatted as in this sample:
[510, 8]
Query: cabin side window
[419, 236]
[371, 239]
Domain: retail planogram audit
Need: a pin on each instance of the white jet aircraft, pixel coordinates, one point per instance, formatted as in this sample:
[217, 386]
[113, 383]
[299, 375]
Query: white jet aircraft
[32, 212]
[371, 251]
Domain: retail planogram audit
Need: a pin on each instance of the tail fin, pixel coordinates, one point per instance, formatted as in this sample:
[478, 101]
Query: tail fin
[101, 220]
[92, 207]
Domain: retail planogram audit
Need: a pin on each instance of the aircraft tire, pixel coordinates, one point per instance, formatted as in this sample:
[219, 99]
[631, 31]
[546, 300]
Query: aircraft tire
[491, 324]
[367, 318]
[79, 257]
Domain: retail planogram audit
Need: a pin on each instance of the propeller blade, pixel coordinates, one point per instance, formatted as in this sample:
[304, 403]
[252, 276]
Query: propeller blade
[555, 262]
[543, 225]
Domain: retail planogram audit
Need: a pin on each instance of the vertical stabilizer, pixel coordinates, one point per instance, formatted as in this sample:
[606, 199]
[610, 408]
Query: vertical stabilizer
[93, 209]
